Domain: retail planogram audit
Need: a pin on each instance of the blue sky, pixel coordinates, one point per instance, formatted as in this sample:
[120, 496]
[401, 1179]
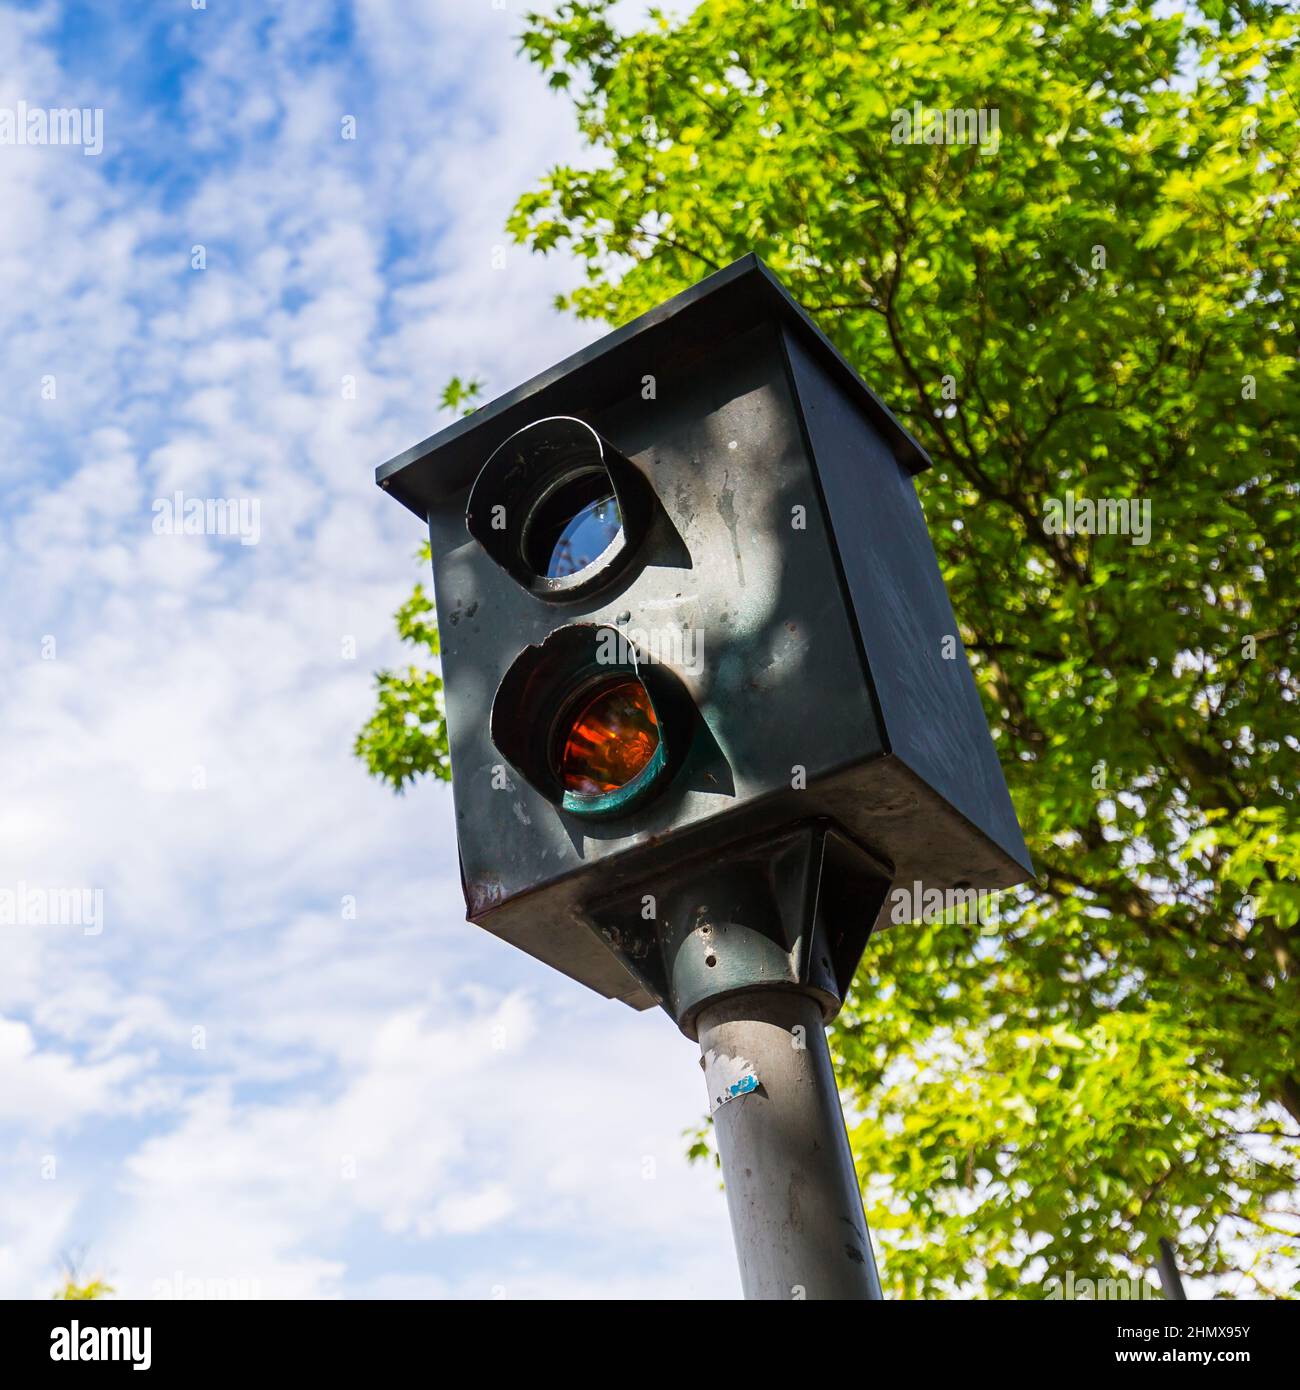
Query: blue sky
[391, 1104]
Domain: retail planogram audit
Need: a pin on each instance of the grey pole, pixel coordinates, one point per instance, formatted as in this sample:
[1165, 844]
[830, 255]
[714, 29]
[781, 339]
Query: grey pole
[796, 1213]
[1170, 1278]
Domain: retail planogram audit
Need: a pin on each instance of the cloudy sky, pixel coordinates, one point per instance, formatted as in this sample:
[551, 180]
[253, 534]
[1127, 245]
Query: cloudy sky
[222, 1078]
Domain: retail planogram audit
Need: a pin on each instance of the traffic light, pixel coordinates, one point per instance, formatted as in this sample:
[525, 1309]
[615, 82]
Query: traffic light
[706, 696]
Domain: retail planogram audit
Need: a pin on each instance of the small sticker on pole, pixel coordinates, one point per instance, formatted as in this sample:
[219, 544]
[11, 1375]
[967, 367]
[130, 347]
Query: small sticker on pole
[727, 1077]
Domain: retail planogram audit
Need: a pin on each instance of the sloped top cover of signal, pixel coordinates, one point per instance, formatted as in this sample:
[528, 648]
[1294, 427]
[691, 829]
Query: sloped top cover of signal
[830, 678]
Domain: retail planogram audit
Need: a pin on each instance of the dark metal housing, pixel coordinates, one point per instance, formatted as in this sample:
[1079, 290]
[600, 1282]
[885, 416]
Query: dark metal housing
[833, 717]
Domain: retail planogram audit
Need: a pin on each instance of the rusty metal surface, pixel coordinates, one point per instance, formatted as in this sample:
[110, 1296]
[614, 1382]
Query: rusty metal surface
[724, 457]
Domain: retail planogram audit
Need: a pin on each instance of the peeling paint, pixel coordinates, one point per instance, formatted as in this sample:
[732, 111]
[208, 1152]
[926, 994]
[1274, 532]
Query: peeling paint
[481, 896]
[727, 1078]
[727, 511]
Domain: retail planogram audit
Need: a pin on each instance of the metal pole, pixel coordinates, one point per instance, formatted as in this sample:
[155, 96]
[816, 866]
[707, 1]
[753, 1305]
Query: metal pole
[1170, 1278]
[796, 1213]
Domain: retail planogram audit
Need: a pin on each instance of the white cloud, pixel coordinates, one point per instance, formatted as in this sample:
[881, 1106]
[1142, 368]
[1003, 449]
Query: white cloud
[44, 1090]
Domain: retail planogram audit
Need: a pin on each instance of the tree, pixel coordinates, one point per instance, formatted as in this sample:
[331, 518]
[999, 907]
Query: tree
[95, 1288]
[406, 736]
[1085, 309]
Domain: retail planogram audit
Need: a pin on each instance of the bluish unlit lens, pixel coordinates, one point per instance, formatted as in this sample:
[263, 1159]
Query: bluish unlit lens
[585, 537]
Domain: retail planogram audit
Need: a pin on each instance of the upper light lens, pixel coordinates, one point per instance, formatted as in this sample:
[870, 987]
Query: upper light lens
[561, 510]
[585, 538]
[572, 524]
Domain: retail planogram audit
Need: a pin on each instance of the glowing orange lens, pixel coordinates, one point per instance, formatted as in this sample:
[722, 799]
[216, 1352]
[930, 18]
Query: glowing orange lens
[613, 735]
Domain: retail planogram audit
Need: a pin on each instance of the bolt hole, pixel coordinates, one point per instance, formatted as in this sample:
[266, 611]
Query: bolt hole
[710, 961]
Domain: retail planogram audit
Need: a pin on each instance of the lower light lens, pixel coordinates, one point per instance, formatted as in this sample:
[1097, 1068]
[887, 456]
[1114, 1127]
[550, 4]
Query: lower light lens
[609, 750]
